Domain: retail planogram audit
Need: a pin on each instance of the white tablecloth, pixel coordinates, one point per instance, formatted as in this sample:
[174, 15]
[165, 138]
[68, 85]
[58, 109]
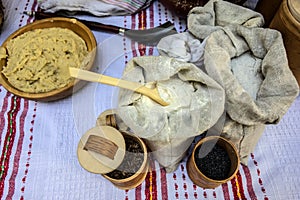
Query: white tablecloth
[39, 140]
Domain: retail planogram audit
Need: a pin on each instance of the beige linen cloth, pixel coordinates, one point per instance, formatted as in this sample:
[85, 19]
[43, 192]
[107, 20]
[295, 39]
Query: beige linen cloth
[196, 103]
[248, 61]
[95, 7]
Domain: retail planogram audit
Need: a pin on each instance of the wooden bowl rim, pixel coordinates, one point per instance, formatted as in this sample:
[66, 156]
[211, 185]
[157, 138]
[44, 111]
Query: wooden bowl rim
[217, 139]
[40, 24]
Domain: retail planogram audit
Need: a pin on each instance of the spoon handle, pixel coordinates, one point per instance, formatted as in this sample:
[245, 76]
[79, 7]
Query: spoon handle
[100, 78]
[108, 80]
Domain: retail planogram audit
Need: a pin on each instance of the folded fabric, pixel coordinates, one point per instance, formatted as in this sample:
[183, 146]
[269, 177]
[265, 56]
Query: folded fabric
[183, 46]
[249, 62]
[95, 7]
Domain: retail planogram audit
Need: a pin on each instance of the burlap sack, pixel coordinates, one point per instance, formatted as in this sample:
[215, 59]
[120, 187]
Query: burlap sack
[196, 103]
[251, 65]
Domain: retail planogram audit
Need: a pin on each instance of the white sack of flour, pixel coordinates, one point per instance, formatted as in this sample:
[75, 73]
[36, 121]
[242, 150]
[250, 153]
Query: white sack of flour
[196, 103]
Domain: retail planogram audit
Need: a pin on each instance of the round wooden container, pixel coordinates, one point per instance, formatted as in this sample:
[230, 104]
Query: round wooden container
[137, 178]
[97, 153]
[202, 180]
[80, 29]
[287, 21]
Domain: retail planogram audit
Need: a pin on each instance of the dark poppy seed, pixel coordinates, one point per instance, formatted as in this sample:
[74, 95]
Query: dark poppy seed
[132, 162]
[216, 164]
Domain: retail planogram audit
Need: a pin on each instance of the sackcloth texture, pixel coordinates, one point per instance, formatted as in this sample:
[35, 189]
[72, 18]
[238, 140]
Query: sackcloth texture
[248, 61]
[170, 130]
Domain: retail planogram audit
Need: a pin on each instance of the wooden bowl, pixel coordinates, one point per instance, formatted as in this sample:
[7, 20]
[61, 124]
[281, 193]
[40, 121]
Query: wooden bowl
[77, 27]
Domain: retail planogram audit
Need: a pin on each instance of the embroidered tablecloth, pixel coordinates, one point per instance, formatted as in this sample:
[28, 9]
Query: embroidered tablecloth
[39, 140]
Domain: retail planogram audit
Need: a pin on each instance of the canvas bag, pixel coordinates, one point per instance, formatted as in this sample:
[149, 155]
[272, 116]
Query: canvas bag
[251, 65]
[169, 130]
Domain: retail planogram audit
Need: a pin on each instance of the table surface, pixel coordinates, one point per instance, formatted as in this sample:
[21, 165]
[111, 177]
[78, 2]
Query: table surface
[39, 140]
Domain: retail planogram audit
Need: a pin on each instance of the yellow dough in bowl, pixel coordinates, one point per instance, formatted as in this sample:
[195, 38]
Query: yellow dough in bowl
[38, 61]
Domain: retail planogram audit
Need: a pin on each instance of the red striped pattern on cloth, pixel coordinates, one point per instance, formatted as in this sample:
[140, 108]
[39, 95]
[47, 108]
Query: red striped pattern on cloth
[16, 161]
[15, 134]
[28, 152]
[237, 191]
[225, 191]
[184, 180]
[260, 181]
[239, 188]
[3, 111]
[249, 185]
[8, 140]
[13, 115]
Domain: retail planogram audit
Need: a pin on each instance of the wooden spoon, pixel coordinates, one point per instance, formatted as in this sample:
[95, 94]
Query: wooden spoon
[108, 80]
